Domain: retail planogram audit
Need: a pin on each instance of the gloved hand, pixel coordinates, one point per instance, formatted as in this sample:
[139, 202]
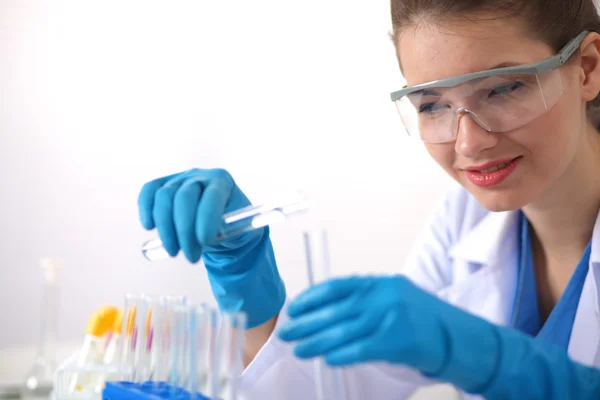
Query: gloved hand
[187, 209]
[357, 320]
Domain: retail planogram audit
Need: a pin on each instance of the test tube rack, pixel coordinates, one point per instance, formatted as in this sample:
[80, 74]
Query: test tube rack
[148, 391]
[168, 347]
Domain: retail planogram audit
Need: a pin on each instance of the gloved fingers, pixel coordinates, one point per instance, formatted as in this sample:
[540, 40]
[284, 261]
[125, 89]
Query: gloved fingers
[352, 353]
[393, 338]
[320, 319]
[146, 200]
[215, 196]
[375, 344]
[322, 294]
[185, 205]
[163, 215]
[335, 337]
[147, 196]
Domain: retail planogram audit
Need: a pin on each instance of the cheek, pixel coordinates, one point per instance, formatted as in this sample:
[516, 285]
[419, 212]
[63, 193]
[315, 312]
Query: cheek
[551, 140]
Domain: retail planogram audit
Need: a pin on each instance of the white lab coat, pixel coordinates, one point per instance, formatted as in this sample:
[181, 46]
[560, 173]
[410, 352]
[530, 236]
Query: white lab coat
[468, 256]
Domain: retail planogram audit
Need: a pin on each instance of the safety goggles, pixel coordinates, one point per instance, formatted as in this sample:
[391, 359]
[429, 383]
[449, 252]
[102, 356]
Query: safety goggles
[498, 100]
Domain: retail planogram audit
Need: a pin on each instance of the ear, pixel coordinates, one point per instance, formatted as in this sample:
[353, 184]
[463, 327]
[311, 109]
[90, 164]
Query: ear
[590, 66]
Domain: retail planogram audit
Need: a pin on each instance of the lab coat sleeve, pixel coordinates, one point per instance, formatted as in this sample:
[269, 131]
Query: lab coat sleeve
[530, 369]
[501, 363]
[276, 374]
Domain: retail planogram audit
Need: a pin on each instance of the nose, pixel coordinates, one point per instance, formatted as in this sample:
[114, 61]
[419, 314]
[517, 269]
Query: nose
[471, 138]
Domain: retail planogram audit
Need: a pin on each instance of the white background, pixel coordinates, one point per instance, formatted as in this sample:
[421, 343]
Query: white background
[96, 98]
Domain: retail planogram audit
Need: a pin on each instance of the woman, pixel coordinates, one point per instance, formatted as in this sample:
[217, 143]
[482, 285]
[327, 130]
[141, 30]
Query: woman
[500, 294]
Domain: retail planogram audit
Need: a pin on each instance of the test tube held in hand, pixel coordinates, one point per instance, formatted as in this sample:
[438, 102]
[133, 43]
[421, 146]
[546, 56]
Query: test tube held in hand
[244, 220]
[329, 382]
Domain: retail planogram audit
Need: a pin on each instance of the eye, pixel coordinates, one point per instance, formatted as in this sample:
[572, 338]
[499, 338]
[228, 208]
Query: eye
[431, 107]
[505, 89]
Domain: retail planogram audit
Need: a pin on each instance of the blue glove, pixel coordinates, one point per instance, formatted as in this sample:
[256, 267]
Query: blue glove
[389, 319]
[187, 210]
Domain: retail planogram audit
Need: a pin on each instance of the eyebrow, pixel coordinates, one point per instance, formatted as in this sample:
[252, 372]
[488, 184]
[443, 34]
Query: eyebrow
[433, 92]
[506, 64]
[424, 92]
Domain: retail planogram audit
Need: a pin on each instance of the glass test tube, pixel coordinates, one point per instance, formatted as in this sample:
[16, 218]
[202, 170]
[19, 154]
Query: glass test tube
[229, 347]
[240, 221]
[203, 328]
[154, 352]
[179, 353]
[143, 323]
[329, 382]
[193, 327]
[133, 306]
[140, 358]
[159, 344]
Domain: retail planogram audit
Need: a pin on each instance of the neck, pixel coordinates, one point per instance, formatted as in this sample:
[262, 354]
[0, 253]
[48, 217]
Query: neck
[563, 219]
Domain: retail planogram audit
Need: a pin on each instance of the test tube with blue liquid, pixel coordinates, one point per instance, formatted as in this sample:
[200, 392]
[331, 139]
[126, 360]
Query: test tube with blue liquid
[244, 220]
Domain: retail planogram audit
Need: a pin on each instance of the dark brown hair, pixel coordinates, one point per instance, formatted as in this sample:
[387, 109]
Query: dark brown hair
[555, 22]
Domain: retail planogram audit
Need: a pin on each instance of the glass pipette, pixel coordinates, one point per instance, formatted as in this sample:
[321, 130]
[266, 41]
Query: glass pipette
[240, 221]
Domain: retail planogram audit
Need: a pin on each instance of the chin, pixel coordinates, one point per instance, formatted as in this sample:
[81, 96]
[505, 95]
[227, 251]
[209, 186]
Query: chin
[497, 200]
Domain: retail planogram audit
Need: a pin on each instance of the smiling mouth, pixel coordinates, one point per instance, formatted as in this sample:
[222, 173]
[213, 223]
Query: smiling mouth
[492, 175]
[496, 168]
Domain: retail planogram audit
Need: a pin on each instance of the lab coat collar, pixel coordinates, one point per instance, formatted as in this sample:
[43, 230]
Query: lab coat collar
[595, 253]
[585, 337]
[482, 244]
[485, 267]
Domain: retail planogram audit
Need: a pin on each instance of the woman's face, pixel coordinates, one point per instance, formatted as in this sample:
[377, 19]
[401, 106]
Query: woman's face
[544, 148]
